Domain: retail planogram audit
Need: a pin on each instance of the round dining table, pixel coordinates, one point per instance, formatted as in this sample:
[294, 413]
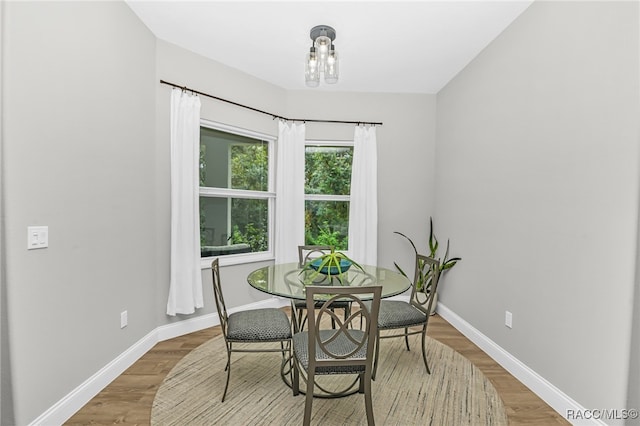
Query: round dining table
[289, 279]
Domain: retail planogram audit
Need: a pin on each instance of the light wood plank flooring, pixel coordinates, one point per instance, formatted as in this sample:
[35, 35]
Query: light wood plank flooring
[128, 399]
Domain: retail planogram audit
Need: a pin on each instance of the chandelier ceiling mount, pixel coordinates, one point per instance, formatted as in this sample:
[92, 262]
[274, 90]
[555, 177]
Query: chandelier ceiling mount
[322, 57]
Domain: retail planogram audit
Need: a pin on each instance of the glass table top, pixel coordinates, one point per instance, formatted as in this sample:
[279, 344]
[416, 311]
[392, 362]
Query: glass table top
[289, 280]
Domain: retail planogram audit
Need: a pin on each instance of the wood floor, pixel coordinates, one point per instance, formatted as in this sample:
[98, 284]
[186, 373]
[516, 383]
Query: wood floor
[128, 399]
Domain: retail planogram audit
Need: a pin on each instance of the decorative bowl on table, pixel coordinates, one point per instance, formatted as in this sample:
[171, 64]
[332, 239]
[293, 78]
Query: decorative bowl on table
[333, 269]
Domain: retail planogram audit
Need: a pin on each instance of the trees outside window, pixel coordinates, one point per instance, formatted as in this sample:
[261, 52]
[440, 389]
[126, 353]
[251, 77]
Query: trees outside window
[236, 195]
[327, 187]
[237, 198]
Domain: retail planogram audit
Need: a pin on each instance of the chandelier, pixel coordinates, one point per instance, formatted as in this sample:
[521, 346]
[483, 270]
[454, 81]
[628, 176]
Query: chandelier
[322, 57]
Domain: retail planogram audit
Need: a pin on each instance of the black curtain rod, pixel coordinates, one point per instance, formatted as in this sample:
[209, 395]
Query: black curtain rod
[265, 112]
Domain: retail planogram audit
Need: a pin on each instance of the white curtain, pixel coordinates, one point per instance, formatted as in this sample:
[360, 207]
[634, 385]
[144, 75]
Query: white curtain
[363, 207]
[185, 287]
[289, 191]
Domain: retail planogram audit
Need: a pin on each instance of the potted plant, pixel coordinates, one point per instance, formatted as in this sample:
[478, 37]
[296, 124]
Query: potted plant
[332, 263]
[446, 263]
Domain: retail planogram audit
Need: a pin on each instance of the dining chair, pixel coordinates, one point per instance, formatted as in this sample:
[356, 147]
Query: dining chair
[341, 350]
[398, 314]
[253, 326]
[306, 254]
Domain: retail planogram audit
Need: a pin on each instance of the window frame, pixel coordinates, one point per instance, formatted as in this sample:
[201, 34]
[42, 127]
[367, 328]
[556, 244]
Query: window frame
[269, 195]
[324, 197]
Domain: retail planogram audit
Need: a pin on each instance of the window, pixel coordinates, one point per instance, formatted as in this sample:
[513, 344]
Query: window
[236, 194]
[327, 187]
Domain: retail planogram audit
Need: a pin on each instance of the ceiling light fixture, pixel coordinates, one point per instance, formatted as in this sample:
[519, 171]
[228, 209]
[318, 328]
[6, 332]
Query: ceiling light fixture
[322, 57]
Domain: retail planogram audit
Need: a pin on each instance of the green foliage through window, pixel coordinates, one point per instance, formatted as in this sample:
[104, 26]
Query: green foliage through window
[230, 165]
[327, 173]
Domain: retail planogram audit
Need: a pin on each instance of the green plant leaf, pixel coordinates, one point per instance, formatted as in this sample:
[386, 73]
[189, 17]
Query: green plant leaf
[446, 253]
[433, 241]
[412, 245]
[445, 263]
[400, 270]
[330, 260]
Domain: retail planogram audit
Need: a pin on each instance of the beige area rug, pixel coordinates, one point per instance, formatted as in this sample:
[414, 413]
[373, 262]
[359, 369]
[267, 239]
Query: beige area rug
[456, 392]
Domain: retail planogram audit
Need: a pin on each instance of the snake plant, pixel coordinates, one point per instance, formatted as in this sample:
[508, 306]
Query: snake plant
[445, 263]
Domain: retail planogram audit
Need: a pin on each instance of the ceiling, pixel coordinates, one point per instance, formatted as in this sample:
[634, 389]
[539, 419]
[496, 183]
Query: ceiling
[383, 46]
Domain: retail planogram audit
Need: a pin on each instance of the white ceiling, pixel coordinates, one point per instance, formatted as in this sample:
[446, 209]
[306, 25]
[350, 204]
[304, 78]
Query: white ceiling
[383, 46]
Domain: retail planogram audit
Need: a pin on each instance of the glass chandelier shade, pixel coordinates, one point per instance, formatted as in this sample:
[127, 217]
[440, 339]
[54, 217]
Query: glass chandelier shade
[331, 67]
[322, 57]
[312, 69]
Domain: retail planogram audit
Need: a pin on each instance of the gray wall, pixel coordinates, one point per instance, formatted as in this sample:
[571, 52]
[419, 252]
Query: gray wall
[79, 156]
[535, 182]
[537, 153]
[6, 402]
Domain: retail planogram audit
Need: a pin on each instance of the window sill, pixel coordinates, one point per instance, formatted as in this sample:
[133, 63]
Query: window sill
[236, 259]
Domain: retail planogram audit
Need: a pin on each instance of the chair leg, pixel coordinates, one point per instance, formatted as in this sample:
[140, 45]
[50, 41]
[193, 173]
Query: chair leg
[367, 399]
[347, 313]
[228, 368]
[295, 382]
[375, 357]
[333, 321]
[309, 398]
[424, 349]
[302, 318]
[286, 359]
[285, 349]
[406, 337]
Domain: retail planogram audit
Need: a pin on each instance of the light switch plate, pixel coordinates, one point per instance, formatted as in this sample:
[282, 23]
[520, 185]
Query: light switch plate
[37, 237]
[508, 319]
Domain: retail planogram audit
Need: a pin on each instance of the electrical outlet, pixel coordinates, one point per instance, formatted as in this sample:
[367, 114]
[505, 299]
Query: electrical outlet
[508, 319]
[123, 319]
[37, 237]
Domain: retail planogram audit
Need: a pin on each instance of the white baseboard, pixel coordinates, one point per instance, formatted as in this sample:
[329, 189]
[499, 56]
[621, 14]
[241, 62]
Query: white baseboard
[74, 401]
[550, 394]
[61, 411]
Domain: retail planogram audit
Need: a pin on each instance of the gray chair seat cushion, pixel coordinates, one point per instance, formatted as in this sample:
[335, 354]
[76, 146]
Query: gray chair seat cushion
[398, 314]
[342, 345]
[268, 325]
